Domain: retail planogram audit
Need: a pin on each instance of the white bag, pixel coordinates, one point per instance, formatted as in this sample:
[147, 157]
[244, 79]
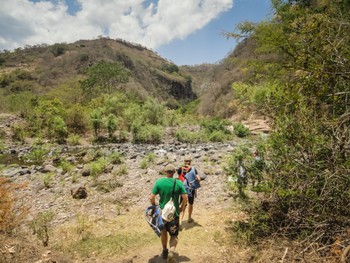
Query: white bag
[168, 212]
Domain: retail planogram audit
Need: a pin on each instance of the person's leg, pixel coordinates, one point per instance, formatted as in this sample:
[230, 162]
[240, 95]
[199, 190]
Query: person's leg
[190, 207]
[164, 240]
[173, 243]
[174, 232]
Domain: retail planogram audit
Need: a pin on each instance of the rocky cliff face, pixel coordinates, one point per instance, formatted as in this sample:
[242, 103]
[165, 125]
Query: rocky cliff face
[179, 89]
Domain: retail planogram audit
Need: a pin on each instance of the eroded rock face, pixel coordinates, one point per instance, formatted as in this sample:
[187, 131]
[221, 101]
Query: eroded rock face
[180, 90]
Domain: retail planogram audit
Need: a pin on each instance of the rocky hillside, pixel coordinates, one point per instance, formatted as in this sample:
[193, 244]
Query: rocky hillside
[212, 82]
[42, 68]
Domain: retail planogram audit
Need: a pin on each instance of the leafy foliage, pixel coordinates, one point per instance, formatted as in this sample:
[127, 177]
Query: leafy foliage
[241, 130]
[303, 50]
[104, 77]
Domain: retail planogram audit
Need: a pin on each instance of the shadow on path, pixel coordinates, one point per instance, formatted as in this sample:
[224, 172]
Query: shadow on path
[178, 258]
[185, 225]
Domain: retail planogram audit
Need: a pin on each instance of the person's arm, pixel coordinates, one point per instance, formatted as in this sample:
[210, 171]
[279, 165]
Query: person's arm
[152, 199]
[179, 171]
[197, 176]
[184, 202]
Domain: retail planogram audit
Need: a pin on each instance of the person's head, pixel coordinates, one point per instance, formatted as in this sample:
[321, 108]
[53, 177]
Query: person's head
[187, 160]
[169, 170]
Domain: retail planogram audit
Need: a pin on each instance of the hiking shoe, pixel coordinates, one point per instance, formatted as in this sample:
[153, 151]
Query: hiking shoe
[170, 257]
[190, 220]
[165, 253]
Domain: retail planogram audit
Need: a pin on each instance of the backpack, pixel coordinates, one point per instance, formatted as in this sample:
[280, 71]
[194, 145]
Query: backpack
[184, 171]
[191, 183]
[153, 216]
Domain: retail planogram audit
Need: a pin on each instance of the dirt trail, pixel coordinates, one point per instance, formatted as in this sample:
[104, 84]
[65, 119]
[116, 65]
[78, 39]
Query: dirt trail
[204, 240]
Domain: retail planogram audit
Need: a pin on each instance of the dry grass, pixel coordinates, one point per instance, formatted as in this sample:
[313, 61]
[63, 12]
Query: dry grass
[13, 207]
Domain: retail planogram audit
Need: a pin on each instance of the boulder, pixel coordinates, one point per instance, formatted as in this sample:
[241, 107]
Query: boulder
[79, 192]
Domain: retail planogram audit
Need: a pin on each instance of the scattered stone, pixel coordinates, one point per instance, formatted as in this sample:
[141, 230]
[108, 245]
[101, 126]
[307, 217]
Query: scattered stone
[48, 168]
[79, 192]
[85, 172]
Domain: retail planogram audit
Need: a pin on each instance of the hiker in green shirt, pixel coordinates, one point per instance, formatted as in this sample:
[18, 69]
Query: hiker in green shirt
[164, 187]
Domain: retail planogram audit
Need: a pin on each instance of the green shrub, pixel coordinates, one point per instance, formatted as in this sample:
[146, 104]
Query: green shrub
[37, 154]
[218, 136]
[153, 112]
[240, 130]
[47, 119]
[47, 179]
[147, 160]
[57, 129]
[170, 67]
[77, 120]
[146, 133]
[186, 136]
[96, 121]
[111, 123]
[116, 158]
[171, 119]
[58, 49]
[216, 124]
[73, 139]
[131, 114]
[97, 167]
[18, 133]
[18, 102]
[66, 166]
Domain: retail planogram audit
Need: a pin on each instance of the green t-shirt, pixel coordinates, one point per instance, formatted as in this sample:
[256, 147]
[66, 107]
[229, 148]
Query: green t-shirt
[164, 186]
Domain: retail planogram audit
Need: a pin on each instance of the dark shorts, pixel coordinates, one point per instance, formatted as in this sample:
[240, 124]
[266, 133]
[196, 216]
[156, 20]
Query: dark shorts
[173, 227]
[190, 198]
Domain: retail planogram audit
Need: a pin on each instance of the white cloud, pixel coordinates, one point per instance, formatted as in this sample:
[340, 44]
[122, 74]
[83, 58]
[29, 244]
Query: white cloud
[27, 23]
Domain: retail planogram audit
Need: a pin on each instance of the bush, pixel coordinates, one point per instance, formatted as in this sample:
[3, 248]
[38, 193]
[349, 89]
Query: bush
[116, 158]
[146, 133]
[186, 136]
[153, 112]
[111, 123]
[66, 166]
[97, 167]
[218, 136]
[18, 133]
[73, 139]
[37, 154]
[96, 121]
[58, 49]
[170, 67]
[47, 179]
[240, 130]
[57, 129]
[19, 102]
[77, 120]
[149, 158]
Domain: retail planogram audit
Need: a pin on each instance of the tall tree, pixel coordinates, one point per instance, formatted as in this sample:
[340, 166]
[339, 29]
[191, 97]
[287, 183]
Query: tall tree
[104, 77]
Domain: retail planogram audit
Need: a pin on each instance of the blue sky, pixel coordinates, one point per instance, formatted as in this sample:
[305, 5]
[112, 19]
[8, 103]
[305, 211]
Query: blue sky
[208, 44]
[187, 32]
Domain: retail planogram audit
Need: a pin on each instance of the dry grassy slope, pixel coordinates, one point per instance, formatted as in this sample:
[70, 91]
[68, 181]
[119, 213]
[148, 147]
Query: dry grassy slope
[50, 71]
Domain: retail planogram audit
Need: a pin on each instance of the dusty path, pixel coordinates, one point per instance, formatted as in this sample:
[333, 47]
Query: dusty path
[204, 240]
